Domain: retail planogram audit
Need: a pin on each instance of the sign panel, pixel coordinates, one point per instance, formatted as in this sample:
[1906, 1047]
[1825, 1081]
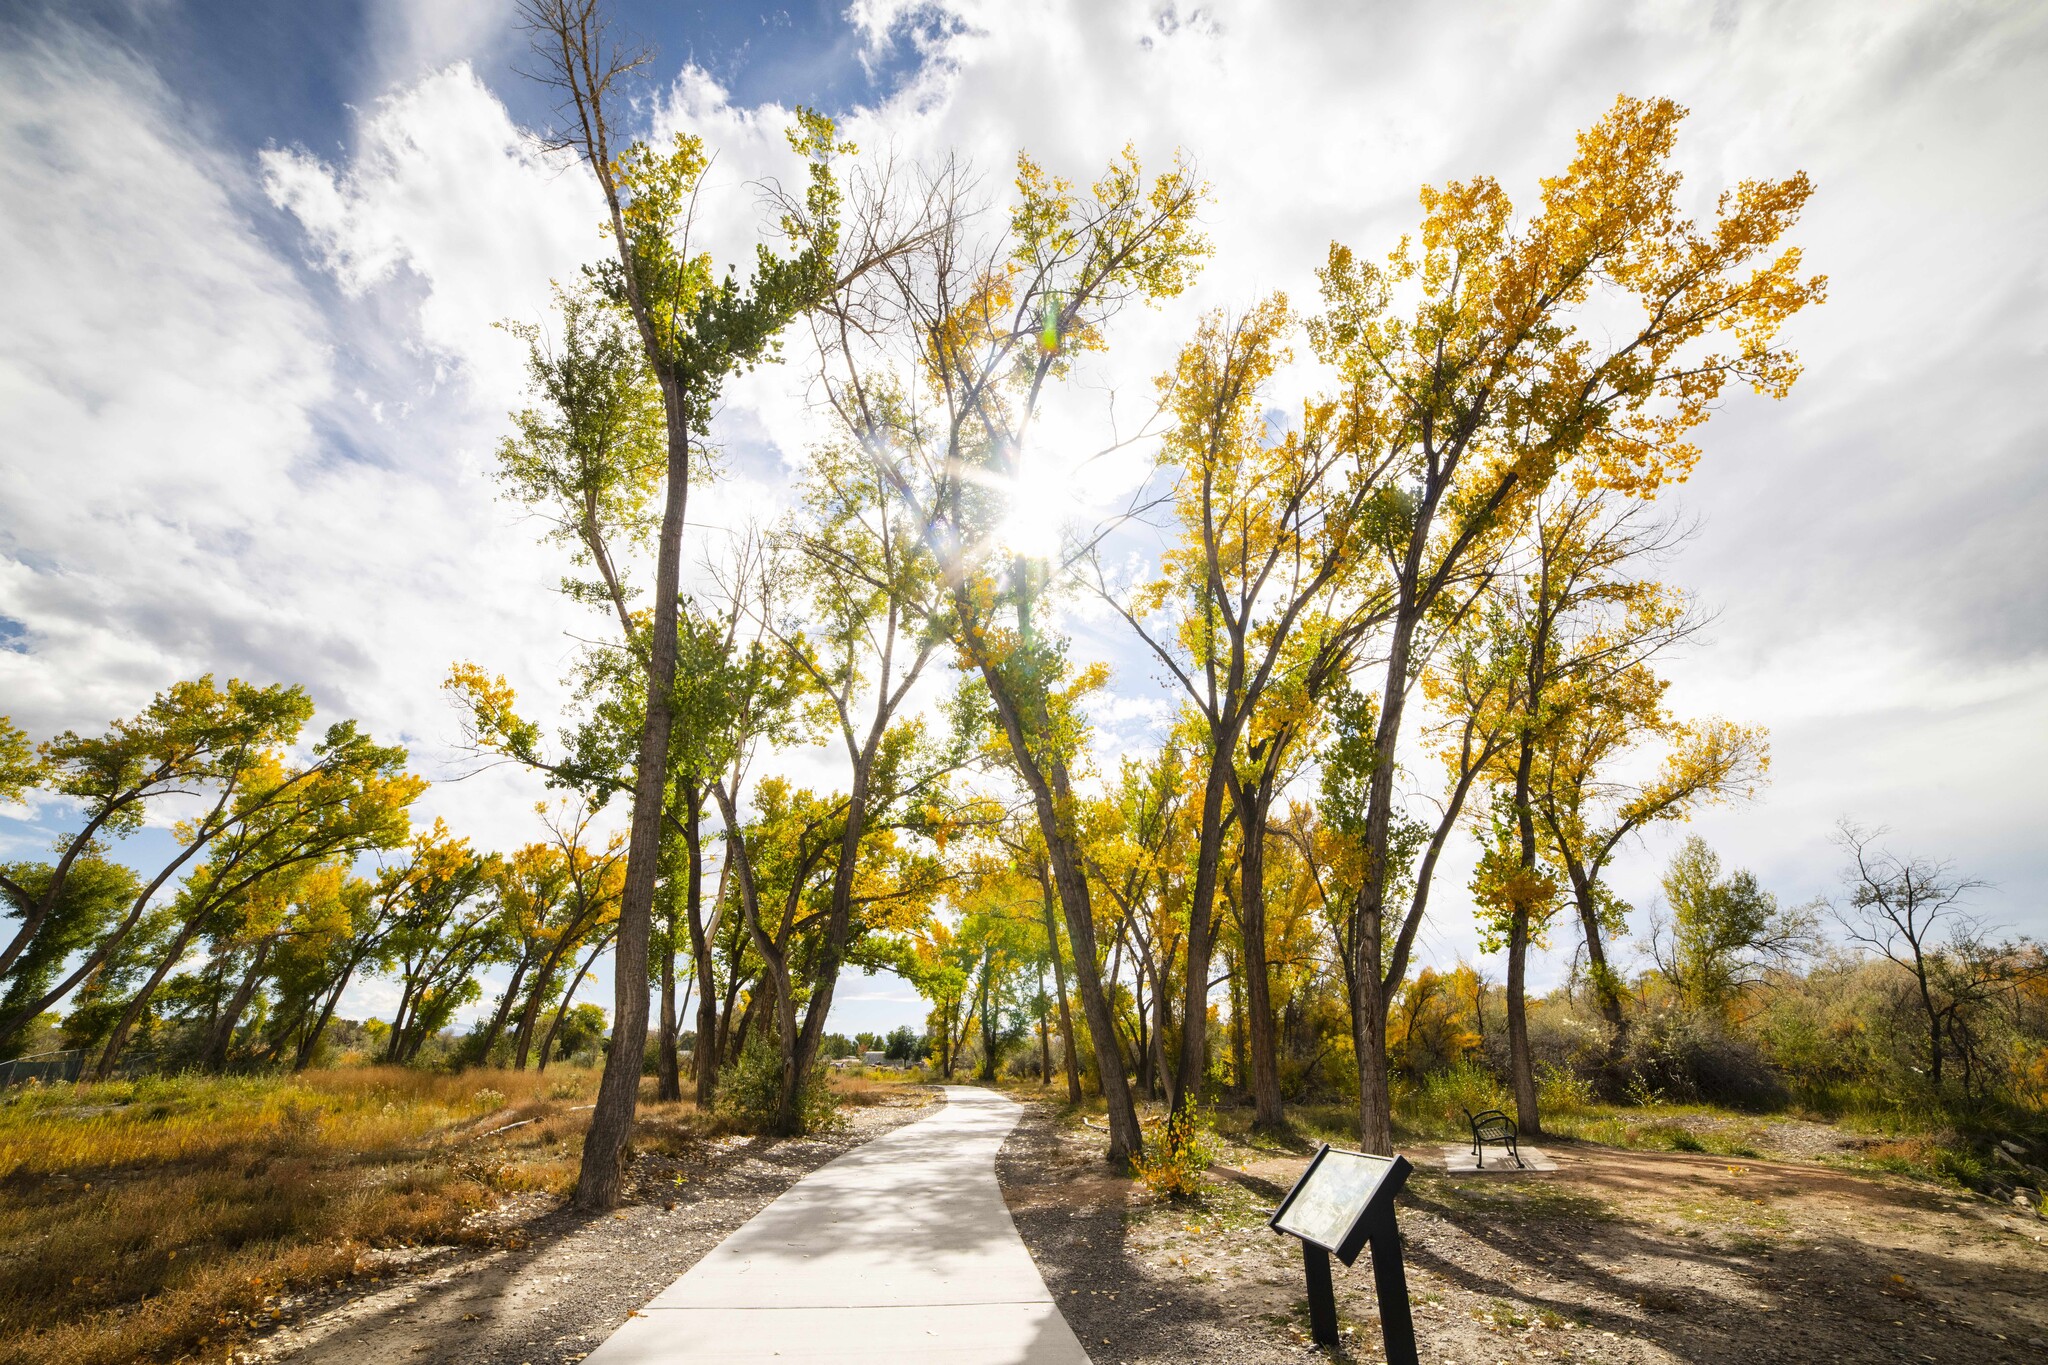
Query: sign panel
[1343, 1202]
[1331, 1195]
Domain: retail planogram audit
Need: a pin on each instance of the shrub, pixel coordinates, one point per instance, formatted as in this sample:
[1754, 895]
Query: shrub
[1689, 1055]
[1563, 1091]
[1466, 1087]
[1176, 1153]
[750, 1089]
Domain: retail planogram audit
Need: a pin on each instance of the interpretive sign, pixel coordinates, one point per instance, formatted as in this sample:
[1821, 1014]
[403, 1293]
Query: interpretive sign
[1343, 1203]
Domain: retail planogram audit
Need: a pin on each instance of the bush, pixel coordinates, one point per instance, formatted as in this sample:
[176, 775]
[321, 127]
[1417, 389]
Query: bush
[750, 1089]
[1466, 1087]
[1176, 1153]
[1563, 1091]
[1688, 1055]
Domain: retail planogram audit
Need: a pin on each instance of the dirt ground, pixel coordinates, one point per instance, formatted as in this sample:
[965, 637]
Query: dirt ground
[1616, 1256]
[568, 1280]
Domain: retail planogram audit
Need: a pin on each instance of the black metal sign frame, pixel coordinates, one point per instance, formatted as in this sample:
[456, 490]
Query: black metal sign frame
[1371, 1226]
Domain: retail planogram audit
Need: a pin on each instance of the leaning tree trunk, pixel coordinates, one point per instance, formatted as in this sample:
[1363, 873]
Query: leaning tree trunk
[223, 1039]
[1052, 799]
[569, 994]
[309, 1044]
[1605, 983]
[501, 1015]
[140, 1002]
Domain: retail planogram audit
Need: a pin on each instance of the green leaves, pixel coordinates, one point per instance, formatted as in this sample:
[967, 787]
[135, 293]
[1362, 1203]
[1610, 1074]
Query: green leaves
[590, 458]
[697, 328]
[192, 733]
[20, 768]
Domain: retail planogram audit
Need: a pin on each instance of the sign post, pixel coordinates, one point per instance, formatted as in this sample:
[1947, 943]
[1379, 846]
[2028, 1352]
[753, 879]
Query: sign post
[1343, 1203]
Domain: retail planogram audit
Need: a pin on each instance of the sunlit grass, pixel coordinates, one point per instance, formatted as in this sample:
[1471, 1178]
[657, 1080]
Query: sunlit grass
[162, 1217]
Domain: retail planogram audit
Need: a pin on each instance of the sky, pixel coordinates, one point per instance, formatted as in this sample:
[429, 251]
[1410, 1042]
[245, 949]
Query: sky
[251, 256]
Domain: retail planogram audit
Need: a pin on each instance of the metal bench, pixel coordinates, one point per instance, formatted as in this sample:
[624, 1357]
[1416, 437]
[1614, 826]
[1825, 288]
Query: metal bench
[1492, 1125]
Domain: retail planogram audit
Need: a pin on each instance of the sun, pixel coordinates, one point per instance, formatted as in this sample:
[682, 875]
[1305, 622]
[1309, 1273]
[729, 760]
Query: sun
[1035, 517]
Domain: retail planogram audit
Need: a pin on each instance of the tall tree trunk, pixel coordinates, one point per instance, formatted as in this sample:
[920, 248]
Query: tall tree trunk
[669, 1064]
[1520, 1064]
[1369, 1037]
[1059, 982]
[1369, 1024]
[668, 1068]
[602, 1177]
[1258, 982]
[988, 1024]
[1201, 937]
[1240, 1062]
[1162, 1021]
[1044, 1034]
[1053, 801]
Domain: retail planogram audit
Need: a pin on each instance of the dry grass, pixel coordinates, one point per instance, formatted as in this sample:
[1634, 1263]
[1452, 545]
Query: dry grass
[163, 1218]
[860, 1088]
[169, 1218]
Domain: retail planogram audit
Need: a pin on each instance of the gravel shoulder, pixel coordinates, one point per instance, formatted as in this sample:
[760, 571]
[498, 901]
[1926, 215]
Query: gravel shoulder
[1618, 1256]
[566, 1281]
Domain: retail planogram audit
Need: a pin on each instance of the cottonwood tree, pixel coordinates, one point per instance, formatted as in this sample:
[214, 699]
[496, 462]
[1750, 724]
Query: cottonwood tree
[352, 796]
[868, 613]
[696, 330]
[1574, 624]
[195, 741]
[1584, 623]
[1725, 935]
[936, 367]
[1263, 599]
[1473, 371]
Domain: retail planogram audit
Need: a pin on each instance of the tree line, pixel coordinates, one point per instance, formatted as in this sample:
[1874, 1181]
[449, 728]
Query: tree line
[291, 871]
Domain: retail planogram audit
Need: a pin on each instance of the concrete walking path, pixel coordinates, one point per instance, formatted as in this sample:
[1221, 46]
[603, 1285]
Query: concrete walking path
[901, 1250]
